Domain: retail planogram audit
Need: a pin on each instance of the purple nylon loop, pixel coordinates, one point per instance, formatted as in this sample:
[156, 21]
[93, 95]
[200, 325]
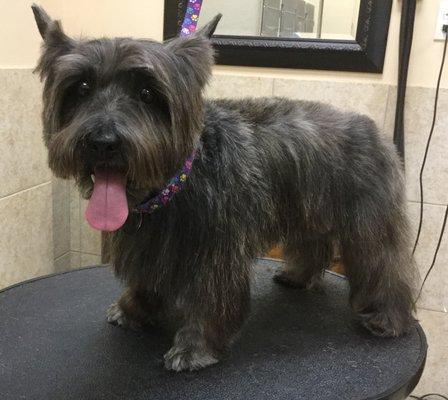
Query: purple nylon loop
[191, 17]
[178, 181]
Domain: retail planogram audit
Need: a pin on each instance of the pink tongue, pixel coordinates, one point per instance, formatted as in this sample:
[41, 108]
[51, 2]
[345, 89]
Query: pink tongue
[108, 207]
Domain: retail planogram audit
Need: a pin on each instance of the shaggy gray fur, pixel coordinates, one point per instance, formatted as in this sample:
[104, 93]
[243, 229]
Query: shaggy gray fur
[268, 171]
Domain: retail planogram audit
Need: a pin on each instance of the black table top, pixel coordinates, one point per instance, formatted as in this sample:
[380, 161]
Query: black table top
[56, 344]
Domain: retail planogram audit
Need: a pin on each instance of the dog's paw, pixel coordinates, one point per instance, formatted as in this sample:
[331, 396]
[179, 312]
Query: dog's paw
[116, 316]
[383, 324]
[186, 359]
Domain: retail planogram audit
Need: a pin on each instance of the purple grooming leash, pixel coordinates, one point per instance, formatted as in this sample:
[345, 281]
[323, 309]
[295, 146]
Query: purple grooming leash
[191, 17]
[177, 182]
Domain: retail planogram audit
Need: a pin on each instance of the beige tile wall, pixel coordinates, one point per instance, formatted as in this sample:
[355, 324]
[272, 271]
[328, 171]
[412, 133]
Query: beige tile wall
[420, 104]
[41, 227]
[85, 242]
[233, 86]
[26, 213]
[79, 245]
[369, 99]
[23, 157]
[61, 217]
[26, 246]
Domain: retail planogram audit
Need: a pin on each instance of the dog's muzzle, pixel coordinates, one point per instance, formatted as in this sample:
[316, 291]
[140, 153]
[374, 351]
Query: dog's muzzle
[108, 208]
[104, 146]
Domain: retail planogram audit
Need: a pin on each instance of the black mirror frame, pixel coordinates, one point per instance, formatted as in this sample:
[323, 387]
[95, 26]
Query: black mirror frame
[365, 54]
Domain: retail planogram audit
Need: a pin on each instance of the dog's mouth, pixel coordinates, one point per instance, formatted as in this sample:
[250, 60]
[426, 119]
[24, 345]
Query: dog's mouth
[108, 206]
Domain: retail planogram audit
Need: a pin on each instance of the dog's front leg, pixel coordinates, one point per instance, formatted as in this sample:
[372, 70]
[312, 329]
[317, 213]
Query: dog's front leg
[190, 349]
[210, 325]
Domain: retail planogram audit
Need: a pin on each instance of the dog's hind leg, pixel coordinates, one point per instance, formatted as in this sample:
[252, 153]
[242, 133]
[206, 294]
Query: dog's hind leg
[376, 255]
[305, 263]
[134, 309]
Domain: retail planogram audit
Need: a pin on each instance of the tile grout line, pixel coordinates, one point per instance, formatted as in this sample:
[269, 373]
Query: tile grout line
[431, 310]
[77, 252]
[428, 203]
[59, 257]
[85, 252]
[383, 128]
[24, 190]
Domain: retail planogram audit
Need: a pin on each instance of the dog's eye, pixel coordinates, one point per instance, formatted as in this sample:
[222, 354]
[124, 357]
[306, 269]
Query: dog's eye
[83, 88]
[146, 95]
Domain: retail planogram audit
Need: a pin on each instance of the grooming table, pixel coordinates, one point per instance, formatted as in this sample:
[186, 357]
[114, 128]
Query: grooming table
[55, 343]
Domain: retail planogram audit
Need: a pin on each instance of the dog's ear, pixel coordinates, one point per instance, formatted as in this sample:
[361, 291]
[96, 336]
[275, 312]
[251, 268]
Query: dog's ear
[196, 51]
[50, 30]
[43, 20]
[200, 40]
[209, 29]
[56, 42]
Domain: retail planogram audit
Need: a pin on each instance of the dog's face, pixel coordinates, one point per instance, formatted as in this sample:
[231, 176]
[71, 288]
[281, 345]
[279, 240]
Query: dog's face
[125, 107]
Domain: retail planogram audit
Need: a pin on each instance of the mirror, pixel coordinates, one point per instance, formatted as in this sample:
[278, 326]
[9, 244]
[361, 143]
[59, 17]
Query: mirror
[338, 35]
[293, 19]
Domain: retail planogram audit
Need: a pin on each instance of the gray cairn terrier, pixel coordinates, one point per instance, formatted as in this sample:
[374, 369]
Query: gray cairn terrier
[266, 171]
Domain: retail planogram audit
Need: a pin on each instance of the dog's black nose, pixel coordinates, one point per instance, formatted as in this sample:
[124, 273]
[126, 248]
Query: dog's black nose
[104, 145]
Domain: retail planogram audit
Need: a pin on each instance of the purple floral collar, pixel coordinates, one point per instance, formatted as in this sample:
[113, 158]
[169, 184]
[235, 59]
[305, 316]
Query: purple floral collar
[175, 185]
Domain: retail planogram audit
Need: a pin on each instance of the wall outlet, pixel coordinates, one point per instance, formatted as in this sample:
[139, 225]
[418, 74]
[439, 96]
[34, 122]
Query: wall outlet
[442, 19]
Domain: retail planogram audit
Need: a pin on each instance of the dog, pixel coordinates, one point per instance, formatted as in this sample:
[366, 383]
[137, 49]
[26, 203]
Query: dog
[193, 190]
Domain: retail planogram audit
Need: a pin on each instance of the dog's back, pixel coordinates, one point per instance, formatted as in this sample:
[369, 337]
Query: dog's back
[317, 159]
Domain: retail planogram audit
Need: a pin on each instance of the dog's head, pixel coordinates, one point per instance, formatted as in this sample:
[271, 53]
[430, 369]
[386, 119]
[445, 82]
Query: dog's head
[127, 109]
